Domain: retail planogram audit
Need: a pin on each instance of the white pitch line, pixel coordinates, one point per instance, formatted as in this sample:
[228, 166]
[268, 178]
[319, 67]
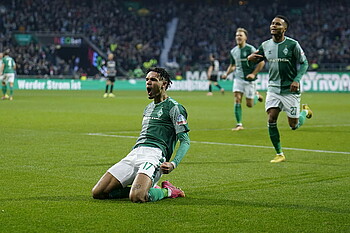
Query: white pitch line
[234, 144]
[108, 135]
[280, 127]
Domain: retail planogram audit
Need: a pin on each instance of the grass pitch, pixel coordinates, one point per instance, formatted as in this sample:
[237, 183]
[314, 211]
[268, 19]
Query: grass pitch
[55, 145]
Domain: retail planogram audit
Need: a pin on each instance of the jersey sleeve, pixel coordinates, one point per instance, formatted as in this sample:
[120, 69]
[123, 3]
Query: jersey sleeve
[178, 116]
[252, 49]
[299, 53]
[212, 64]
[301, 59]
[232, 60]
[261, 50]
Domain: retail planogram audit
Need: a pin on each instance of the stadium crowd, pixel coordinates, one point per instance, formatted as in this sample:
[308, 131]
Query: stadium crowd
[133, 35]
[136, 35]
[320, 26]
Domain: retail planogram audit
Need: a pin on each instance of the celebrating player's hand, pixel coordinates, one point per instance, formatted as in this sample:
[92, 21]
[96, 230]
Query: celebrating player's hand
[294, 87]
[224, 76]
[166, 167]
[255, 57]
[250, 76]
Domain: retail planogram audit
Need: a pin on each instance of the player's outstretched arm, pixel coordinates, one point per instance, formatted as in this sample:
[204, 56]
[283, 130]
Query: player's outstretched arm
[184, 139]
[229, 70]
[255, 57]
[257, 69]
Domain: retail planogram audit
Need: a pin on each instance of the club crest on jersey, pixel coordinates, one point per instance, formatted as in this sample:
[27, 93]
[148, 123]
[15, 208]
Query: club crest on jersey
[285, 50]
[160, 112]
[181, 120]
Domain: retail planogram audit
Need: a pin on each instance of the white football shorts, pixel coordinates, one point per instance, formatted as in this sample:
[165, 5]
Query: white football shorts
[8, 77]
[289, 103]
[146, 160]
[245, 87]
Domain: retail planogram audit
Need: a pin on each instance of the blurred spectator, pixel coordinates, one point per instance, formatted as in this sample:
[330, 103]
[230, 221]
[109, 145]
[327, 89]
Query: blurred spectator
[204, 28]
[134, 31]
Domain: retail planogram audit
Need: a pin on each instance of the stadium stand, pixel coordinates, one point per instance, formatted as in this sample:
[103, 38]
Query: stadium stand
[320, 26]
[135, 31]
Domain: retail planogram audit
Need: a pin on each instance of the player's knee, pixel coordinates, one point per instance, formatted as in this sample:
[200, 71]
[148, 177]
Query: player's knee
[249, 105]
[138, 197]
[272, 120]
[97, 194]
[293, 125]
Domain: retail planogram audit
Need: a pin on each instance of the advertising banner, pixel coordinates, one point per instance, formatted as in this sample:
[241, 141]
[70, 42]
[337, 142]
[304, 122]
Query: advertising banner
[196, 81]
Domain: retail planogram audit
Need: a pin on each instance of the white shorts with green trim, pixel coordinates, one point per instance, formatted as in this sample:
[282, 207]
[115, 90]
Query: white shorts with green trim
[8, 77]
[146, 160]
[289, 103]
[245, 87]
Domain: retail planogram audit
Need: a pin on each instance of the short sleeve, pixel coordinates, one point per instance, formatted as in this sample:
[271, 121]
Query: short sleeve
[261, 50]
[253, 49]
[232, 60]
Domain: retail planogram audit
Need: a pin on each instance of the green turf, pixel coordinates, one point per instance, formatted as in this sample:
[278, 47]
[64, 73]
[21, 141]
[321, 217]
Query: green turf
[49, 164]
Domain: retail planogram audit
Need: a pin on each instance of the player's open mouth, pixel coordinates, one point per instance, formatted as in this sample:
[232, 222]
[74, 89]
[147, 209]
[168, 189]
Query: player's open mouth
[149, 90]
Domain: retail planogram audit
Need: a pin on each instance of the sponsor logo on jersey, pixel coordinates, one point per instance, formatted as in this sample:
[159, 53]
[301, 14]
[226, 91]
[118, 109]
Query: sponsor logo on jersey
[150, 118]
[181, 120]
[279, 60]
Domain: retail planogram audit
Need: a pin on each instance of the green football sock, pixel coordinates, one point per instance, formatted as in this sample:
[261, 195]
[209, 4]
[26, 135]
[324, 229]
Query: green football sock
[238, 113]
[275, 137]
[302, 117]
[256, 98]
[11, 91]
[155, 194]
[4, 89]
[120, 193]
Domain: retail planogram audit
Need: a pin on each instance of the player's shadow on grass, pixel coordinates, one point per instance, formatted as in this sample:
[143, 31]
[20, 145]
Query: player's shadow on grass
[188, 201]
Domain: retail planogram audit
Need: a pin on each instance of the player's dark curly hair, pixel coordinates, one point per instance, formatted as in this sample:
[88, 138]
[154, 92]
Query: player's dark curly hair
[284, 18]
[163, 74]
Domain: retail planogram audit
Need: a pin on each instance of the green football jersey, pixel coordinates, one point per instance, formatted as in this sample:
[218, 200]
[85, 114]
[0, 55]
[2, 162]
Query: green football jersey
[160, 125]
[283, 58]
[238, 57]
[9, 65]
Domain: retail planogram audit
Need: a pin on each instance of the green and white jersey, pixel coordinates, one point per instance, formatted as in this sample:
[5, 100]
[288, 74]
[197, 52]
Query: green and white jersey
[160, 125]
[238, 57]
[9, 65]
[283, 58]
